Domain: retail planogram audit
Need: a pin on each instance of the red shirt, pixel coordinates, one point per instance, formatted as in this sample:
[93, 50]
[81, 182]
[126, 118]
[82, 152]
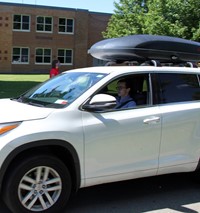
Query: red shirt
[54, 72]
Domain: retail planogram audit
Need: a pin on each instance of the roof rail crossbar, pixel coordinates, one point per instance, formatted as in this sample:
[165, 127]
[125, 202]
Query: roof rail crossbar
[190, 64]
[155, 63]
[110, 63]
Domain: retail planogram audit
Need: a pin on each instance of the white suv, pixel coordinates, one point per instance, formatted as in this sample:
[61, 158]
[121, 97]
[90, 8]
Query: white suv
[66, 133]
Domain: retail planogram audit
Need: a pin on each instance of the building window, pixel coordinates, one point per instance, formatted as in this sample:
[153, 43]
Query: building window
[66, 25]
[42, 56]
[21, 22]
[65, 56]
[44, 24]
[20, 55]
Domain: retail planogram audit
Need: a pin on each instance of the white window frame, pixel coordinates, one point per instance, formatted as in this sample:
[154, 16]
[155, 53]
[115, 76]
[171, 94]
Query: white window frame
[43, 56]
[21, 23]
[20, 60]
[65, 26]
[64, 56]
[44, 24]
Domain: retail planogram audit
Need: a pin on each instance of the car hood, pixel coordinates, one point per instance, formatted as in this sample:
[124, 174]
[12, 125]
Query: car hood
[11, 111]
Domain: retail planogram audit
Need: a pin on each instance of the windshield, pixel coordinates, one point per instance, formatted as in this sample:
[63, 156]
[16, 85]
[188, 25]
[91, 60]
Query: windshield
[61, 90]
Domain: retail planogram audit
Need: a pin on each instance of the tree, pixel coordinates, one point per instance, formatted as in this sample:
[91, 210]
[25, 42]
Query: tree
[179, 18]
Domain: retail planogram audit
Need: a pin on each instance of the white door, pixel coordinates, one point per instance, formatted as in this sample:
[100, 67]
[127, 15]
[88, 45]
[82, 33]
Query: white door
[180, 147]
[124, 143]
[180, 108]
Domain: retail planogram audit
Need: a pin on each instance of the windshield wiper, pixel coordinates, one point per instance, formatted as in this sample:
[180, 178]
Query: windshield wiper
[35, 104]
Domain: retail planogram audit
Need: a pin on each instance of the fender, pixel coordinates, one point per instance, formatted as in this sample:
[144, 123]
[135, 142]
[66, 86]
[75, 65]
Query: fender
[40, 144]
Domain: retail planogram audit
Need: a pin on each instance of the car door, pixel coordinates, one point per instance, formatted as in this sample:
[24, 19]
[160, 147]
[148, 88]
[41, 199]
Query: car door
[180, 108]
[122, 143]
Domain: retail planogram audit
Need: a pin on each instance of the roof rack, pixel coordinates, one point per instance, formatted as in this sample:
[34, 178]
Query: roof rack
[154, 63]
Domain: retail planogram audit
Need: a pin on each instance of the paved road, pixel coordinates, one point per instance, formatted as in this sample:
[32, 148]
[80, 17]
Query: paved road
[164, 194]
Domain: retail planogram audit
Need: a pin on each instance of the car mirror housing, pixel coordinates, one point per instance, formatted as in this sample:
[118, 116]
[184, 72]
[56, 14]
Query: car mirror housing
[100, 102]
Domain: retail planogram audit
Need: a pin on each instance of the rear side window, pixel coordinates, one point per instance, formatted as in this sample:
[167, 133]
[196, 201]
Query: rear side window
[178, 87]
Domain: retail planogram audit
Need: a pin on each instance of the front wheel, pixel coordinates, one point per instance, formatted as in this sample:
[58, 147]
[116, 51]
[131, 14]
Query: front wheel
[39, 183]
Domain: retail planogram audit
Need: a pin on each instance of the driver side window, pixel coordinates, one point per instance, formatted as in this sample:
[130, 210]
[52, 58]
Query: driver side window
[128, 90]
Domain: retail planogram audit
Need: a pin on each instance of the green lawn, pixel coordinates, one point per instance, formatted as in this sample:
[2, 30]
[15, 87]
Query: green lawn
[14, 85]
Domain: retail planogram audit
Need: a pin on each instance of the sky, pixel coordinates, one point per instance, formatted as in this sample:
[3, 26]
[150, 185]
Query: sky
[105, 6]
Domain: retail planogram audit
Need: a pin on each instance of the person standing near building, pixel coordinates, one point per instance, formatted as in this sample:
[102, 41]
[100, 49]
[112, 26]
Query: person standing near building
[55, 68]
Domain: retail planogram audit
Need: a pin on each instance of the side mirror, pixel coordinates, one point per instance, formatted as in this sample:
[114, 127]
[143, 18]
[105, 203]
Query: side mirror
[100, 102]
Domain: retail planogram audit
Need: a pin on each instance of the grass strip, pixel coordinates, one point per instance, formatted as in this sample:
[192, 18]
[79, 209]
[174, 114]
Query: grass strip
[14, 85]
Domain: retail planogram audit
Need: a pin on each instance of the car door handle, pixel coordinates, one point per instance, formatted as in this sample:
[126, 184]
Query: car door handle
[152, 120]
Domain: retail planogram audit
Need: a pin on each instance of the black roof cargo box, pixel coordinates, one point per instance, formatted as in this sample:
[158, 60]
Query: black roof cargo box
[146, 47]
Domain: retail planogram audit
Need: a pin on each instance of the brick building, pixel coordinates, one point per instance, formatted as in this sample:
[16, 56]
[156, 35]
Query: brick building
[31, 36]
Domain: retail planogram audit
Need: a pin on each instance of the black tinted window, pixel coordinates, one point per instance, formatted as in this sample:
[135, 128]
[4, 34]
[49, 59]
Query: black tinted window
[178, 87]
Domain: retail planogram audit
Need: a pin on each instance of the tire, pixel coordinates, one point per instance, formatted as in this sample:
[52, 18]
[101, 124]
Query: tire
[39, 183]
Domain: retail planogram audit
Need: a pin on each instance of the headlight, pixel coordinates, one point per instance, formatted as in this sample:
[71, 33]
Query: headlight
[8, 126]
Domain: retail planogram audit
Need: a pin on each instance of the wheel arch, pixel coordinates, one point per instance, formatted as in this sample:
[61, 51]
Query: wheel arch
[62, 149]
